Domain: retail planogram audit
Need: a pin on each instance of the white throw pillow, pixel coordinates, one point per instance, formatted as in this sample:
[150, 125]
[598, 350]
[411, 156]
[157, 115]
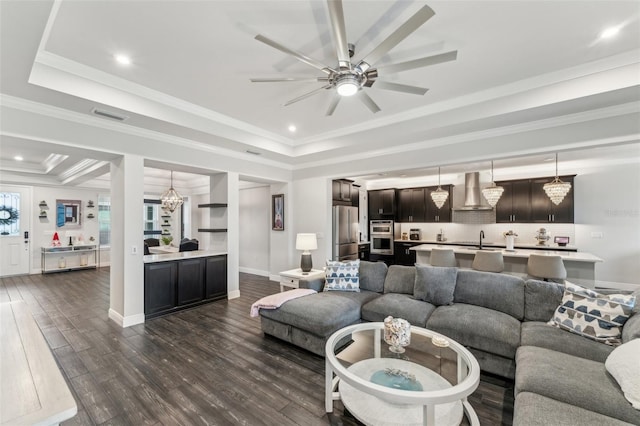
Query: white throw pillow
[623, 363]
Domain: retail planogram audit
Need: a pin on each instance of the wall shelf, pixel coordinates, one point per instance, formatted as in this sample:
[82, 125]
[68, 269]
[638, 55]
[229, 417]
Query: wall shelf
[212, 205]
[213, 230]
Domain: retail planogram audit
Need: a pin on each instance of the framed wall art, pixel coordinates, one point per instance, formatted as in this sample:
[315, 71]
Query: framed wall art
[277, 212]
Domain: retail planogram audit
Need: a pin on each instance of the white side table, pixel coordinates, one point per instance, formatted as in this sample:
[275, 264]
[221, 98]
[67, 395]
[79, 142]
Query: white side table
[292, 277]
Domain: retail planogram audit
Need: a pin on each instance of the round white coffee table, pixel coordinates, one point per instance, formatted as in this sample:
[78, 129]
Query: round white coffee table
[426, 385]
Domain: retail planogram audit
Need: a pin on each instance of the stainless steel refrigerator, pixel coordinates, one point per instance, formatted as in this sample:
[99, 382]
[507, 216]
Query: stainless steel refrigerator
[346, 226]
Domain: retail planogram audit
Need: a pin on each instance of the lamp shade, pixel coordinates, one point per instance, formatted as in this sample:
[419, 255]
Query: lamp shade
[306, 242]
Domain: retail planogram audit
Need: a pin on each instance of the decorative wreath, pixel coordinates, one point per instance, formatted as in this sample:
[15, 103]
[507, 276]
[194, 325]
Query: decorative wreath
[11, 215]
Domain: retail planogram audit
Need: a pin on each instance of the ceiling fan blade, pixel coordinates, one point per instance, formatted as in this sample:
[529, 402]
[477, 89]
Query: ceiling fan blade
[412, 24]
[396, 87]
[289, 79]
[333, 104]
[336, 16]
[419, 63]
[306, 95]
[299, 56]
[369, 103]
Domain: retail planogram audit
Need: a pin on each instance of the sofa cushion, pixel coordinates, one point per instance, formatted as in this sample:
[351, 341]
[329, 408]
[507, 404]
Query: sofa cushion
[500, 292]
[372, 276]
[541, 298]
[321, 313]
[342, 276]
[541, 334]
[531, 409]
[435, 284]
[481, 328]
[400, 279]
[624, 365]
[631, 329]
[593, 315]
[398, 306]
[572, 380]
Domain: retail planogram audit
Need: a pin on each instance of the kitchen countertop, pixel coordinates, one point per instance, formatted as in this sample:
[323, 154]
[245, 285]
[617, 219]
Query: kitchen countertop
[154, 258]
[519, 253]
[517, 245]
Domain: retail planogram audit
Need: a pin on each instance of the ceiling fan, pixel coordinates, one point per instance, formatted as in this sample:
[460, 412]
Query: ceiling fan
[350, 78]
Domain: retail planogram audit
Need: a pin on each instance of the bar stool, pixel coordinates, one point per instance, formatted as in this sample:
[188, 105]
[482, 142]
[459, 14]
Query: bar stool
[443, 257]
[488, 261]
[546, 267]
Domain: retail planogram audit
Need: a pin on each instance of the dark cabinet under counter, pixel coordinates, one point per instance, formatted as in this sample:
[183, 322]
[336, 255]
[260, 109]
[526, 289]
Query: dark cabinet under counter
[174, 283]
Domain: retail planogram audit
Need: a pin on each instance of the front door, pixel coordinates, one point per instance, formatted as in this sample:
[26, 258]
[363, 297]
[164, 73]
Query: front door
[15, 202]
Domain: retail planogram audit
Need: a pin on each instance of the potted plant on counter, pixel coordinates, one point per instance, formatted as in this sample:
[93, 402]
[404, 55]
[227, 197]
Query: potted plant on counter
[167, 240]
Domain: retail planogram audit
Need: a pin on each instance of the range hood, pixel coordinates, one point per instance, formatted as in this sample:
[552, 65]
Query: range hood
[472, 196]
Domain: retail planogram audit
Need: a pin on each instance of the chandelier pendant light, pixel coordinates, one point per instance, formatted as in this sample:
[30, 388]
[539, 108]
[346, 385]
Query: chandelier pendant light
[170, 199]
[439, 196]
[556, 190]
[492, 193]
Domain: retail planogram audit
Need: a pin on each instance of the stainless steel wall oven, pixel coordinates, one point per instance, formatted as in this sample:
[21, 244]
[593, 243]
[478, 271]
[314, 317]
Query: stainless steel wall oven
[381, 236]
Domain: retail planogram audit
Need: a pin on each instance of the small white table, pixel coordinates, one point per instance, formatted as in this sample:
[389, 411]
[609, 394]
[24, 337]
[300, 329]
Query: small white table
[292, 277]
[163, 249]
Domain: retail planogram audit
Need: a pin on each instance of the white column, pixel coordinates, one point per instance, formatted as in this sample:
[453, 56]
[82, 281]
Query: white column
[233, 235]
[127, 233]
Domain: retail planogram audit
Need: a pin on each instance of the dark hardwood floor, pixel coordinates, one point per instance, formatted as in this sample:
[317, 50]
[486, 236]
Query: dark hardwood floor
[210, 365]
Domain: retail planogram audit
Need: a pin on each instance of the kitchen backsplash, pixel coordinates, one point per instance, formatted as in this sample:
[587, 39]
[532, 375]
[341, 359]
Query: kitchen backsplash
[493, 231]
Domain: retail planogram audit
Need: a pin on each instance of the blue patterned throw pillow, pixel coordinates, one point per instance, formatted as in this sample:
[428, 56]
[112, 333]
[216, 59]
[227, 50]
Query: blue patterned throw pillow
[593, 315]
[342, 276]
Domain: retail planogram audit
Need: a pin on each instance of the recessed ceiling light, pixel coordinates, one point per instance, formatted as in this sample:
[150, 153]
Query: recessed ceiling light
[18, 158]
[292, 128]
[610, 32]
[122, 59]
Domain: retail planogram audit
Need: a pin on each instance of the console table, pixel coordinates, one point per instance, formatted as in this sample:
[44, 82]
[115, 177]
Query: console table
[68, 258]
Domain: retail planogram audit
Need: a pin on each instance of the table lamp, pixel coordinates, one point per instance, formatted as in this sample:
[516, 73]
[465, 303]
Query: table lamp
[306, 242]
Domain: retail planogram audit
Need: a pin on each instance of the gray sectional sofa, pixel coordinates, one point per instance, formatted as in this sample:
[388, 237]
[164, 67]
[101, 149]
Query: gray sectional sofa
[560, 377]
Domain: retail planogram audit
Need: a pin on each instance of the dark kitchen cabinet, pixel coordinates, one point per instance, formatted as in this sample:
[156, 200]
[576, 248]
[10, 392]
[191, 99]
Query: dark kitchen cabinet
[435, 214]
[345, 193]
[515, 204]
[412, 206]
[382, 204]
[159, 286]
[182, 283]
[403, 253]
[190, 274]
[364, 250]
[543, 210]
[215, 277]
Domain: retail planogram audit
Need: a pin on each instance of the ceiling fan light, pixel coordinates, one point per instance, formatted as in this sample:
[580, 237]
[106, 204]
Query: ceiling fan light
[347, 85]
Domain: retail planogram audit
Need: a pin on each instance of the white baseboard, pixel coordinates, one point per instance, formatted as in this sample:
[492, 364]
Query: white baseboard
[125, 321]
[274, 277]
[233, 294]
[259, 272]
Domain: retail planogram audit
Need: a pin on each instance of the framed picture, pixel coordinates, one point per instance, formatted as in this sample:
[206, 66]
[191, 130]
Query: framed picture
[277, 212]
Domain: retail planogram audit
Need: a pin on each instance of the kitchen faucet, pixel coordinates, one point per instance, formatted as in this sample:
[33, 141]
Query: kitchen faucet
[481, 237]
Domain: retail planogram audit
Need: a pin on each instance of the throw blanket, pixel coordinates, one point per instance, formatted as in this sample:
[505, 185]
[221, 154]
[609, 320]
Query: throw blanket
[276, 300]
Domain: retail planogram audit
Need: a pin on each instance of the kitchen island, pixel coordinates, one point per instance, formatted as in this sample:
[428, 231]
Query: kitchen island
[580, 266]
[176, 281]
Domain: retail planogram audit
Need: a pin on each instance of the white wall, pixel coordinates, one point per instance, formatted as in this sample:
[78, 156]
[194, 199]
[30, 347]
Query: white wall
[255, 226]
[312, 209]
[607, 205]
